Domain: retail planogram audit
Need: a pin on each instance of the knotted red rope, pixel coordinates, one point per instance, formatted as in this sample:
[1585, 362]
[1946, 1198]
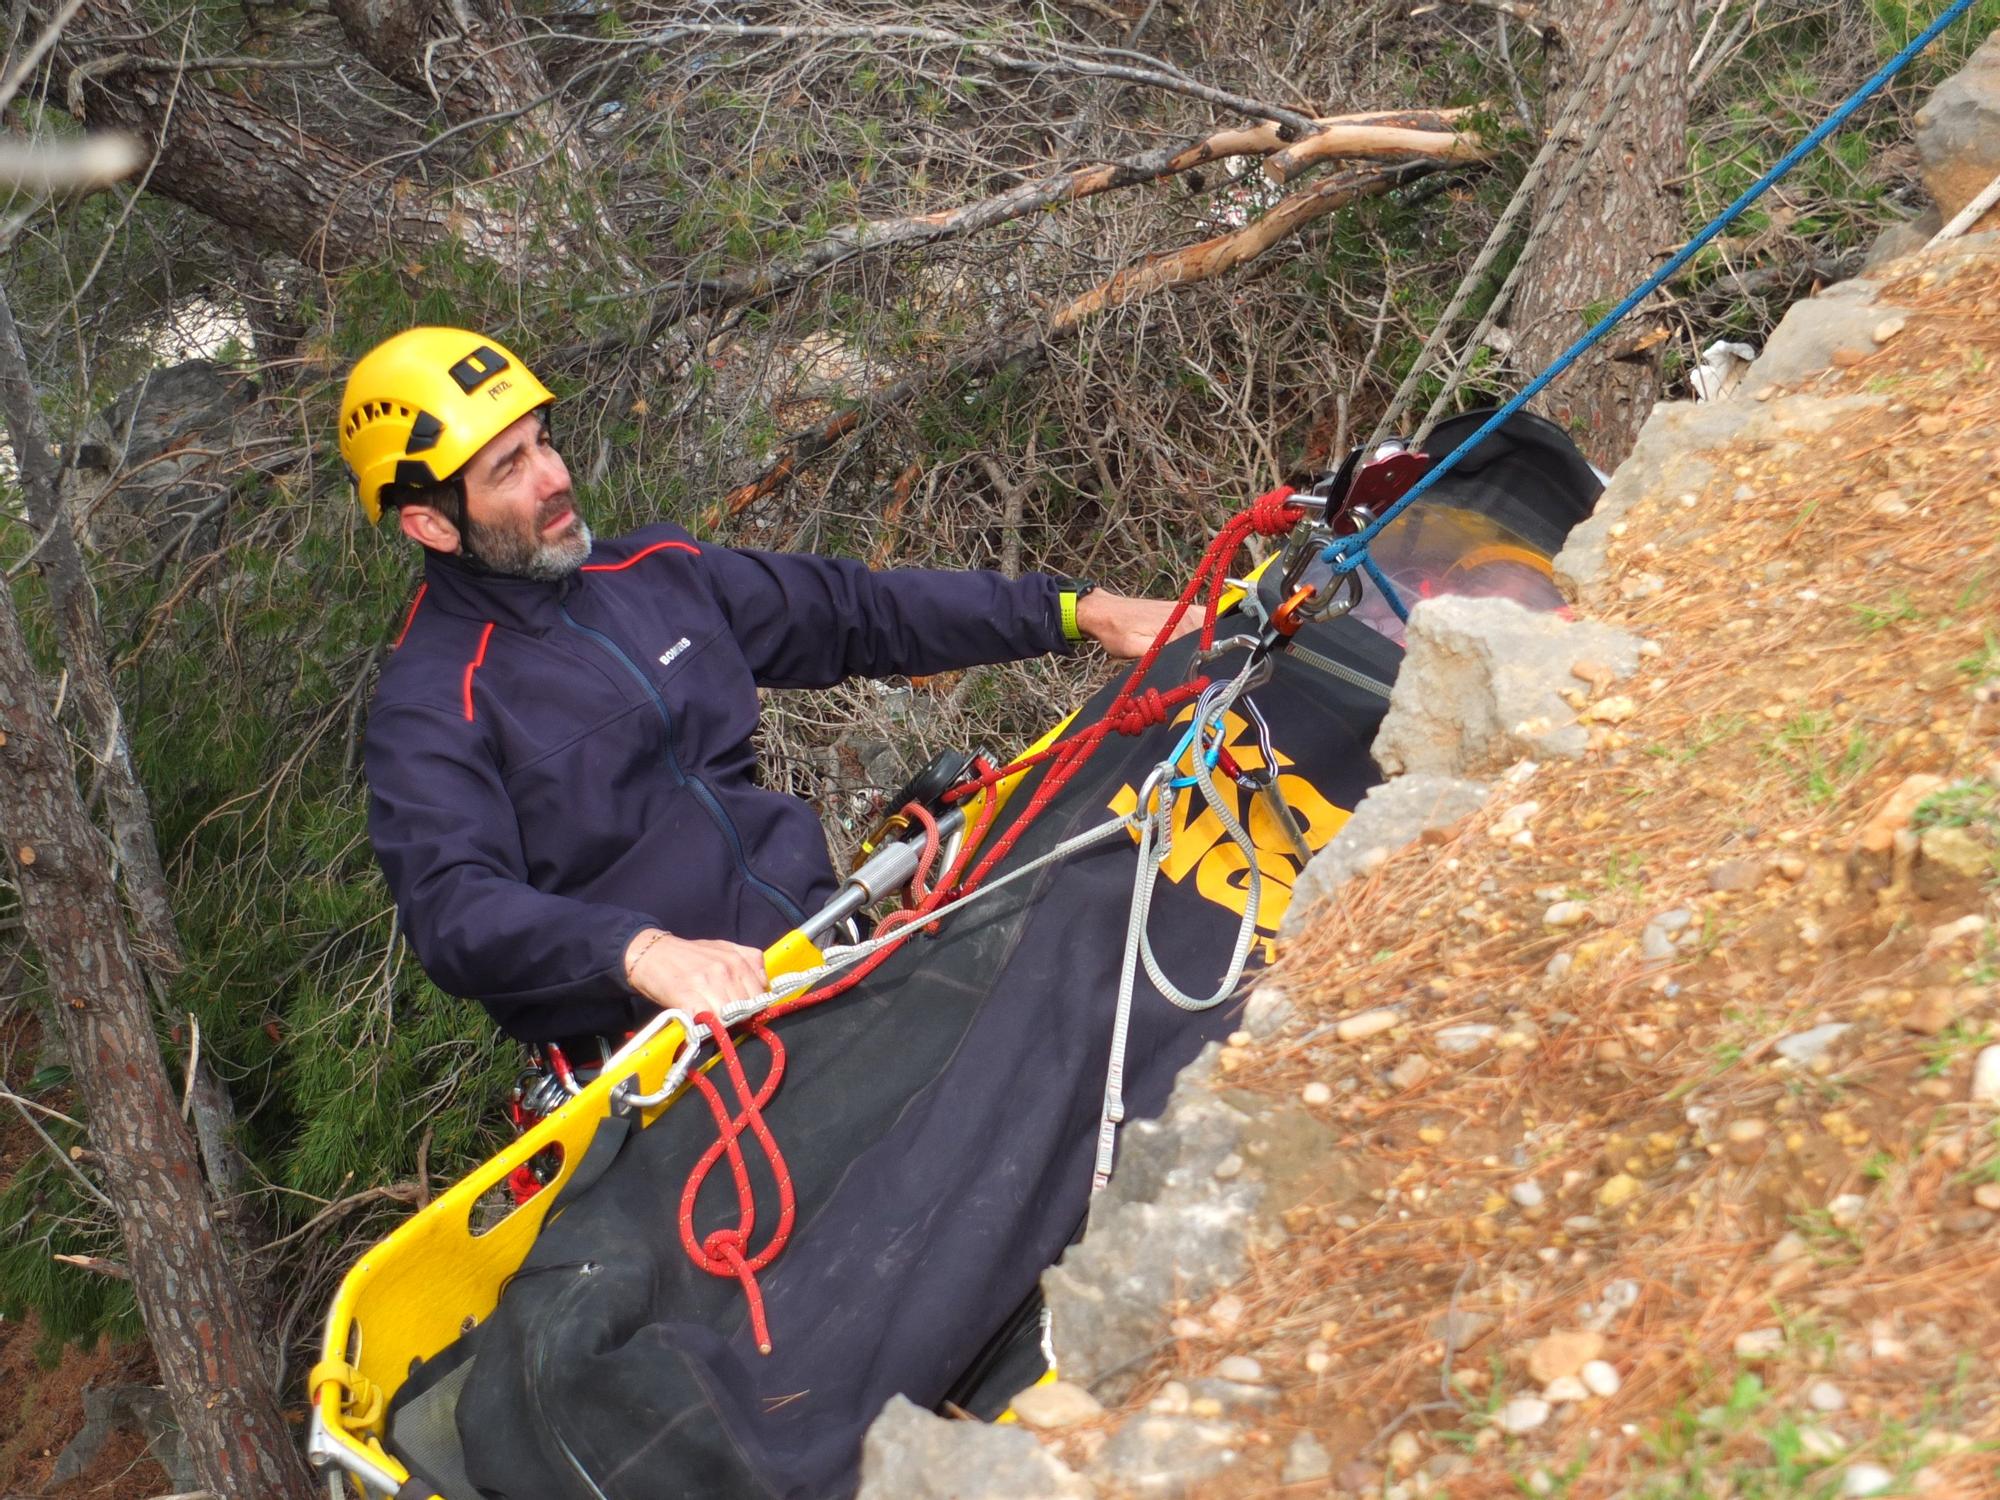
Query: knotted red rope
[1133, 711]
[725, 1252]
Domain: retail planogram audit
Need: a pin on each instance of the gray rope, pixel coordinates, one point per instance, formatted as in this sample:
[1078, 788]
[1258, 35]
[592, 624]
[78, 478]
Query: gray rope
[1155, 848]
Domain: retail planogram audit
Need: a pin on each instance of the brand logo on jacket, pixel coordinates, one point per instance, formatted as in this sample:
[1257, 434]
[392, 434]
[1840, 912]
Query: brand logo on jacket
[667, 656]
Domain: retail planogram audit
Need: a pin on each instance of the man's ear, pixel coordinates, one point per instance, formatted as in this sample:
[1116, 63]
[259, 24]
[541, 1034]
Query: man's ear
[427, 526]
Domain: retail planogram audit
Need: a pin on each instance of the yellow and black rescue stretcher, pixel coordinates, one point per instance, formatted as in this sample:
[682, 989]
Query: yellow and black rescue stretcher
[940, 1120]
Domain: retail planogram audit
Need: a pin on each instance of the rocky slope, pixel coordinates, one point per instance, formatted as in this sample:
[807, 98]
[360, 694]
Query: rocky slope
[1623, 1116]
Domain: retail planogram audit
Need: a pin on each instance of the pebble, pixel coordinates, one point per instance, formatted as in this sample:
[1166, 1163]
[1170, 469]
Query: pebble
[1885, 330]
[1318, 1361]
[1946, 933]
[1514, 820]
[1172, 1400]
[1226, 1311]
[1562, 1353]
[1618, 1190]
[1459, 1328]
[1804, 1048]
[1523, 1414]
[1566, 914]
[1736, 875]
[1818, 1443]
[1565, 1390]
[1760, 1343]
[1824, 1395]
[1846, 1209]
[1061, 1403]
[1526, 1194]
[1305, 1461]
[1188, 1328]
[1866, 1479]
[1987, 1195]
[1741, 1131]
[1469, 1036]
[1316, 1093]
[1654, 944]
[1410, 1072]
[1367, 1023]
[1558, 967]
[1600, 1378]
[1242, 1369]
[1230, 1166]
[1986, 1076]
[1404, 1451]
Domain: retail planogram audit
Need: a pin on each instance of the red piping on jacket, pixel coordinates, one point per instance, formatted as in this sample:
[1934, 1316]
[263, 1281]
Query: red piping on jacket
[410, 618]
[642, 552]
[474, 665]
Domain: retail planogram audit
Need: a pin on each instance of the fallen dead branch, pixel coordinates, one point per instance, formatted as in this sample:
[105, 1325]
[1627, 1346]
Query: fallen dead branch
[1215, 257]
[1384, 135]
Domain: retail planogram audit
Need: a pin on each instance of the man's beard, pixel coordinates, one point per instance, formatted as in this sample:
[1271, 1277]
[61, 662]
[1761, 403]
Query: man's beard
[524, 552]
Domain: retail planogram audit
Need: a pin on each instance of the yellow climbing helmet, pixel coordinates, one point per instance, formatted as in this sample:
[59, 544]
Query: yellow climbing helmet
[419, 405]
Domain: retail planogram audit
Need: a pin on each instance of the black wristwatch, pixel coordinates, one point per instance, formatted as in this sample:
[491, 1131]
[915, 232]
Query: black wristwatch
[1068, 592]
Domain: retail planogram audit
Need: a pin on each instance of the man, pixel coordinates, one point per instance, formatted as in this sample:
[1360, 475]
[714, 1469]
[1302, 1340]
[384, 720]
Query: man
[563, 788]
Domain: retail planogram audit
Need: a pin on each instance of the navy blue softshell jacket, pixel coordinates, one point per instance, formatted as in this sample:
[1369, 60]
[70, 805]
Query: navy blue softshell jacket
[555, 766]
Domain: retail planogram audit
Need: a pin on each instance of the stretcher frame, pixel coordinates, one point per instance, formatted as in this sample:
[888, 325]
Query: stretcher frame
[435, 1278]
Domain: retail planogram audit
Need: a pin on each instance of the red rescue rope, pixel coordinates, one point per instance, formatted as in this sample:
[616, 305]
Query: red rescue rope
[725, 1252]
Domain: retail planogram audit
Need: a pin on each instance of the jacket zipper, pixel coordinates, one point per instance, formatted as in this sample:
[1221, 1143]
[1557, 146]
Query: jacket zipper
[717, 814]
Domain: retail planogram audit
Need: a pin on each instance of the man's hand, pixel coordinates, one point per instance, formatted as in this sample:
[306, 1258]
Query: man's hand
[692, 973]
[1125, 627]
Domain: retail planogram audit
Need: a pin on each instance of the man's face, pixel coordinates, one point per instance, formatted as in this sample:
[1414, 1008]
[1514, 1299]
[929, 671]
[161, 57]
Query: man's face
[520, 513]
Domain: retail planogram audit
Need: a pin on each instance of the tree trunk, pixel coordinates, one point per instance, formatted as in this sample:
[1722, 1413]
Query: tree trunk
[73, 602]
[193, 1309]
[246, 166]
[128, 811]
[474, 61]
[1622, 220]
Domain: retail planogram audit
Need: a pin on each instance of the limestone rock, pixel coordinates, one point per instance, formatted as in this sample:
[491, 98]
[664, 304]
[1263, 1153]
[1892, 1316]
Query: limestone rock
[1390, 816]
[1166, 1227]
[1673, 456]
[1899, 240]
[1165, 1456]
[1060, 1403]
[910, 1454]
[1482, 686]
[1842, 317]
[1958, 132]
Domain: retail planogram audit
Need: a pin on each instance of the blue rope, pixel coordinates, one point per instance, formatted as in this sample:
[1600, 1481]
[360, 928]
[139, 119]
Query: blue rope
[1351, 552]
